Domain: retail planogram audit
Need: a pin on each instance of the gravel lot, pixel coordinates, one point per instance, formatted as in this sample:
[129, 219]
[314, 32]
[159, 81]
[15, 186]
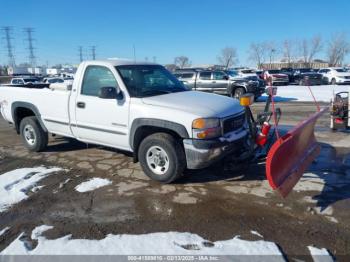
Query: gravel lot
[217, 203]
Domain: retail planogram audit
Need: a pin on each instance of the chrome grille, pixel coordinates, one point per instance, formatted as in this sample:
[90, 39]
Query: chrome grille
[233, 123]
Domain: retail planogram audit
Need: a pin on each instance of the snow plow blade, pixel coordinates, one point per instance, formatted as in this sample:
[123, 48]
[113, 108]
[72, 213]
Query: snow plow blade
[292, 154]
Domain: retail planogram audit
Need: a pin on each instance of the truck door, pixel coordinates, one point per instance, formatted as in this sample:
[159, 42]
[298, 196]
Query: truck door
[204, 82]
[98, 120]
[220, 82]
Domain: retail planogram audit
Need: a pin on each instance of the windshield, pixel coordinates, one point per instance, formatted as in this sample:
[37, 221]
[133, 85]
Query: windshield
[55, 80]
[248, 71]
[340, 70]
[274, 71]
[232, 73]
[30, 80]
[149, 80]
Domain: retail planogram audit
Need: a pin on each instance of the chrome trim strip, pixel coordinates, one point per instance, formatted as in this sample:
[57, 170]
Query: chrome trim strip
[87, 127]
[56, 122]
[101, 130]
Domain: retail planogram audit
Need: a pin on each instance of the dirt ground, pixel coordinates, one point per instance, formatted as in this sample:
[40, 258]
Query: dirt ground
[217, 203]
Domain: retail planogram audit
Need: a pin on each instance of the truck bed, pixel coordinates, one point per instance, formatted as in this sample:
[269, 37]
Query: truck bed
[52, 105]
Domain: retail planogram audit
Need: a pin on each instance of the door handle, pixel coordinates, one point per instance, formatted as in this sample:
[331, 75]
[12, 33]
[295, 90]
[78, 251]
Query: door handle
[81, 104]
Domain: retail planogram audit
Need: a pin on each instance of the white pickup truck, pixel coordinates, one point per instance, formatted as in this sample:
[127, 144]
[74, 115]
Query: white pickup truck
[136, 107]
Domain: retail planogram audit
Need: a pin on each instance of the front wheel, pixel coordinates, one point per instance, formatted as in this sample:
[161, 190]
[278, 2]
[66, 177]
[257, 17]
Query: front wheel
[238, 92]
[33, 136]
[162, 157]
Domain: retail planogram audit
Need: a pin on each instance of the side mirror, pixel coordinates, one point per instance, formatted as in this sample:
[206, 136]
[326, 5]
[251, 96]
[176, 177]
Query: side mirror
[226, 78]
[109, 92]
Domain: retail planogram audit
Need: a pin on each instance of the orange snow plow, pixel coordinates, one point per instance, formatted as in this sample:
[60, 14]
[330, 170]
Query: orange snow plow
[291, 154]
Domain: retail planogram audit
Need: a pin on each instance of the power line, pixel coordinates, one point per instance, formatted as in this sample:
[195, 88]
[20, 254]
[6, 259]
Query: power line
[7, 30]
[29, 31]
[80, 48]
[93, 52]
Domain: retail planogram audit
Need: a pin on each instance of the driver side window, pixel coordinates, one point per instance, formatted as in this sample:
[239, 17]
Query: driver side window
[96, 77]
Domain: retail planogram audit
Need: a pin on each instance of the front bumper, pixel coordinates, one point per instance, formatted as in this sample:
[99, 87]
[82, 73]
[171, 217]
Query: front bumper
[342, 80]
[203, 153]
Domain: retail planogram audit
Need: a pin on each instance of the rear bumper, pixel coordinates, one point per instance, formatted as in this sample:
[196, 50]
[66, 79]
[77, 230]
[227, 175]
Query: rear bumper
[203, 153]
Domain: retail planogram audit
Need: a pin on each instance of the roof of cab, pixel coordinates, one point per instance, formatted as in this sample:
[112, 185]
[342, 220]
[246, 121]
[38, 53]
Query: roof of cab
[118, 62]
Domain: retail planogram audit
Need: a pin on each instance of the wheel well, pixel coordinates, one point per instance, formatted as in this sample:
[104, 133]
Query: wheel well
[144, 131]
[19, 114]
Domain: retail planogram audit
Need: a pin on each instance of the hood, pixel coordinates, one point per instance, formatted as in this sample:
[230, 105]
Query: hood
[279, 75]
[198, 103]
[343, 74]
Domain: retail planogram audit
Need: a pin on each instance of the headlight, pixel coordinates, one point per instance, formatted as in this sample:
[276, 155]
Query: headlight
[206, 128]
[341, 77]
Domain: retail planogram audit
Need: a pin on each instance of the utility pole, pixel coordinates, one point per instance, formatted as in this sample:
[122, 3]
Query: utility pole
[80, 54]
[93, 52]
[7, 30]
[154, 59]
[29, 31]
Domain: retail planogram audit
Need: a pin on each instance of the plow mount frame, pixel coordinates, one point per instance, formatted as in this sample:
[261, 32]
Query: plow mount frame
[291, 154]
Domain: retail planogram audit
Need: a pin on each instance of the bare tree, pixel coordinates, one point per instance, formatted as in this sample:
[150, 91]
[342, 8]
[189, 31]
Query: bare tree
[182, 61]
[338, 48]
[228, 57]
[288, 48]
[257, 53]
[315, 47]
[309, 48]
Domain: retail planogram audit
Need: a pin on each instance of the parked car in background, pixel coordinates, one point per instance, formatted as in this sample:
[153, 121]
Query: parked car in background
[51, 80]
[246, 72]
[276, 77]
[307, 76]
[335, 75]
[260, 74]
[289, 72]
[219, 82]
[31, 82]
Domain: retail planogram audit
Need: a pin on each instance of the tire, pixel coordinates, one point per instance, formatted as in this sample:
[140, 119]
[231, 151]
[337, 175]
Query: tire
[168, 162]
[33, 136]
[238, 92]
[333, 81]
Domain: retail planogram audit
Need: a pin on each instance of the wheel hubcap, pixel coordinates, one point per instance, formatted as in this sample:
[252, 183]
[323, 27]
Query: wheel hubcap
[157, 160]
[29, 134]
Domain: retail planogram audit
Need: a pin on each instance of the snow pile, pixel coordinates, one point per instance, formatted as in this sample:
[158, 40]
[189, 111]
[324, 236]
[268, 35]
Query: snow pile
[322, 93]
[92, 184]
[320, 255]
[171, 243]
[15, 184]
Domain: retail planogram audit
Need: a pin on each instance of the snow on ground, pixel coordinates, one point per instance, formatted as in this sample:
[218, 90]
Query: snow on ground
[92, 184]
[322, 93]
[320, 255]
[15, 184]
[4, 231]
[170, 243]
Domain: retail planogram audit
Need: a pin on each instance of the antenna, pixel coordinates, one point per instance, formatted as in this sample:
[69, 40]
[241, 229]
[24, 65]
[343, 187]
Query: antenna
[7, 30]
[93, 52]
[134, 49]
[80, 48]
[29, 31]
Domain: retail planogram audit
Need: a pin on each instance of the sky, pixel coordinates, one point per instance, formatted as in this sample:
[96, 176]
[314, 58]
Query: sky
[164, 29]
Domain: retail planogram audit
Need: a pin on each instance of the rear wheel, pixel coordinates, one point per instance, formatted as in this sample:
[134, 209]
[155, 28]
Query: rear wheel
[333, 81]
[238, 92]
[33, 136]
[162, 157]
